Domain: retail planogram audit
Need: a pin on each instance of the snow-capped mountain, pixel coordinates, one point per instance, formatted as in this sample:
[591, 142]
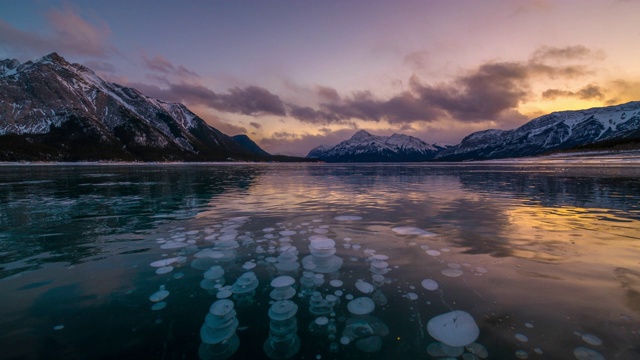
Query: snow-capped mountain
[555, 131]
[552, 132]
[53, 110]
[364, 147]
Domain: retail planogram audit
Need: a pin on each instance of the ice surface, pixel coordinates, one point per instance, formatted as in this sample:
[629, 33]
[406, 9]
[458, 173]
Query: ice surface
[411, 230]
[348, 218]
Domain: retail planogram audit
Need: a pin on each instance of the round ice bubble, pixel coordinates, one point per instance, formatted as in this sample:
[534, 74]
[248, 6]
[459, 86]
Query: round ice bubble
[224, 294]
[411, 296]
[221, 307]
[159, 306]
[361, 306]
[164, 270]
[591, 339]
[452, 272]
[455, 328]
[159, 295]
[214, 272]
[429, 284]
[249, 265]
[364, 287]
[282, 310]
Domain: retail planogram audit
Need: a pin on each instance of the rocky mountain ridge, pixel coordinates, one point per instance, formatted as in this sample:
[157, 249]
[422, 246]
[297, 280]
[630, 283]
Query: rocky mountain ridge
[553, 132]
[365, 147]
[556, 131]
[52, 110]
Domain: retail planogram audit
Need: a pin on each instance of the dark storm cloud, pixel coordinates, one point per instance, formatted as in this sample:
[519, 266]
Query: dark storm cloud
[327, 93]
[190, 93]
[404, 107]
[313, 116]
[481, 94]
[575, 52]
[591, 92]
[284, 135]
[162, 65]
[251, 100]
[588, 92]
[492, 91]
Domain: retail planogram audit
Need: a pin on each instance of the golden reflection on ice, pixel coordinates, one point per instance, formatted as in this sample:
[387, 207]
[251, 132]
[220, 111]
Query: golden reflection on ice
[559, 234]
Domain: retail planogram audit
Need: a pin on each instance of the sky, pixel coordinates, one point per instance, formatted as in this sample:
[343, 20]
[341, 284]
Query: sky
[293, 75]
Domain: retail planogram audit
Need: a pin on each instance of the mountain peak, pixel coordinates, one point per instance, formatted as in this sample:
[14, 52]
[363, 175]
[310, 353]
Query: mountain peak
[365, 147]
[361, 134]
[52, 57]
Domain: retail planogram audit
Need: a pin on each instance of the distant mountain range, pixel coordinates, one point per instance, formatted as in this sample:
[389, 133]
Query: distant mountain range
[52, 110]
[603, 127]
[364, 147]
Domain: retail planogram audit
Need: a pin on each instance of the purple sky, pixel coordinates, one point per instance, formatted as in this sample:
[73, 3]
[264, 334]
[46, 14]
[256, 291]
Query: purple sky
[296, 74]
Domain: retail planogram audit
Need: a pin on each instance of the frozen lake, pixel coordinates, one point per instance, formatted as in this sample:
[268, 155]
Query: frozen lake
[126, 261]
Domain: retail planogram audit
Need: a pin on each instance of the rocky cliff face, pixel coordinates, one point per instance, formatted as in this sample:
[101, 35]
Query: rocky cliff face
[52, 110]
